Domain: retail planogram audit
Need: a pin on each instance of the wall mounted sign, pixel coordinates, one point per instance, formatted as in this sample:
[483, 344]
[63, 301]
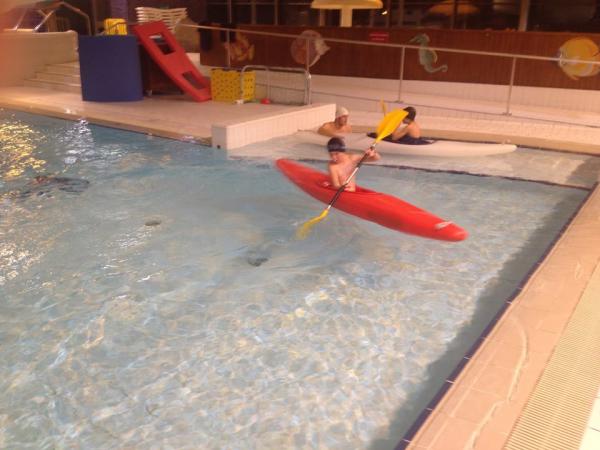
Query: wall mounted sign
[379, 36]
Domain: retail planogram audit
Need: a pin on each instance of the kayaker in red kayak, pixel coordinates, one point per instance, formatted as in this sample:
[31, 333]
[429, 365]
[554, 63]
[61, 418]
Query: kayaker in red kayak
[339, 126]
[341, 164]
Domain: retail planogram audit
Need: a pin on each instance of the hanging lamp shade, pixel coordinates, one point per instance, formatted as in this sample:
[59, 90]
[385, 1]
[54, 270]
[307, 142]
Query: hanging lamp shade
[346, 7]
[446, 8]
[351, 4]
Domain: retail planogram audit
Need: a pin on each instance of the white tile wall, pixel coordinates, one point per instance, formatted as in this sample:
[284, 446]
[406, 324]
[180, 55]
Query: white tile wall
[359, 89]
[237, 133]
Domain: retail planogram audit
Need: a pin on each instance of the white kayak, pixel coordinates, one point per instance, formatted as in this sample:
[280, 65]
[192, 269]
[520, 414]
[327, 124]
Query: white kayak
[449, 149]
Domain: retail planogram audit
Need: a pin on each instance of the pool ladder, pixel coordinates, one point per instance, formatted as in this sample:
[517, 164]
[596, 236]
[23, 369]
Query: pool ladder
[269, 69]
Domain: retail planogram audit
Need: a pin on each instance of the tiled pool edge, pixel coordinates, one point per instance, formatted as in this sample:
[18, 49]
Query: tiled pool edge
[191, 126]
[239, 133]
[558, 409]
[75, 115]
[480, 407]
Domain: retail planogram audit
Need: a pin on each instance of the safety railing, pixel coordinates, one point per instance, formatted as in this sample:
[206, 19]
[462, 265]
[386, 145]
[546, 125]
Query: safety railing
[269, 69]
[46, 16]
[513, 57]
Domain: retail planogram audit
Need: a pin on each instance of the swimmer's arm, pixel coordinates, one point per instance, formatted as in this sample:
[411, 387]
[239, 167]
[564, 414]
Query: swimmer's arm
[329, 130]
[414, 130]
[326, 130]
[398, 133]
[372, 155]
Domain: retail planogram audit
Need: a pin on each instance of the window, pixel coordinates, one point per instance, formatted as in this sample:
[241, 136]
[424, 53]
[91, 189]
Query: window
[550, 15]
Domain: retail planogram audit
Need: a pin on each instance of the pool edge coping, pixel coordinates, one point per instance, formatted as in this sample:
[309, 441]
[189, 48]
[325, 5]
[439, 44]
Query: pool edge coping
[450, 420]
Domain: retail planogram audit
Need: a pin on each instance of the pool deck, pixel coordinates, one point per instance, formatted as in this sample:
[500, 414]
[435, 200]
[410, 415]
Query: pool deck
[491, 404]
[178, 118]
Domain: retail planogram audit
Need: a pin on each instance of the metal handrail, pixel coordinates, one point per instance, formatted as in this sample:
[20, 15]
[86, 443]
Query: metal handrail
[513, 56]
[268, 69]
[46, 17]
[392, 45]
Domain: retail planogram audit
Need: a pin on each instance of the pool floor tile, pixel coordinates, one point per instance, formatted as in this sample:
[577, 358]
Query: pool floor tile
[452, 402]
[553, 322]
[455, 434]
[530, 318]
[508, 356]
[541, 341]
[427, 435]
[476, 405]
[490, 440]
[510, 332]
[494, 380]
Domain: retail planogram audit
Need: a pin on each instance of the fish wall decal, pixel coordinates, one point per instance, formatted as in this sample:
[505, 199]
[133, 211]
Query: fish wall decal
[311, 49]
[583, 49]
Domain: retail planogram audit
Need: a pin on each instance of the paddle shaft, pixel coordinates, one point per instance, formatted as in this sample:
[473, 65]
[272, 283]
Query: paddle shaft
[343, 186]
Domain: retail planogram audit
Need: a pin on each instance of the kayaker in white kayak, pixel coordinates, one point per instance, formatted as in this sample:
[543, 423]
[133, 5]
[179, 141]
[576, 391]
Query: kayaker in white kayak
[409, 132]
[341, 164]
[339, 126]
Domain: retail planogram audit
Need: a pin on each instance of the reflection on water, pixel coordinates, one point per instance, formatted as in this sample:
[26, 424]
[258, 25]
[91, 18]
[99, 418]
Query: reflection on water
[18, 142]
[167, 304]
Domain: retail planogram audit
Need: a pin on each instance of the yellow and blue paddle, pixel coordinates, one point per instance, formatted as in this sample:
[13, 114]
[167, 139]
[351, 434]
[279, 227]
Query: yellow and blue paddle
[386, 127]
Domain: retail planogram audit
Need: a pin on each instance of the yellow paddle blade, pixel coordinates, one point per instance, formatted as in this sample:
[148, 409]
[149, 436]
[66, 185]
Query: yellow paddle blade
[303, 231]
[389, 123]
[383, 107]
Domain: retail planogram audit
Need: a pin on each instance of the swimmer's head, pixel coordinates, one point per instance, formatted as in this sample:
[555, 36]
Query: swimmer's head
[336, 144]
[41, 179]
[340, 112]
[412, 113]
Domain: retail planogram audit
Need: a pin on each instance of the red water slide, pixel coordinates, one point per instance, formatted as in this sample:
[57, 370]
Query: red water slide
[173, 60]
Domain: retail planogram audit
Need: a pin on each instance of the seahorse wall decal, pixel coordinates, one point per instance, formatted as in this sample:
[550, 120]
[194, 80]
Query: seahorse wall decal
[427, 57]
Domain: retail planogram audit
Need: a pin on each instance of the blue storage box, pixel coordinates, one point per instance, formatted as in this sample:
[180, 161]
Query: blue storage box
[110, 68]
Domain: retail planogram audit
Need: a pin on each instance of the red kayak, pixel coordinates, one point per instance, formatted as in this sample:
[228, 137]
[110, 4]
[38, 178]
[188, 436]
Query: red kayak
[388, 211]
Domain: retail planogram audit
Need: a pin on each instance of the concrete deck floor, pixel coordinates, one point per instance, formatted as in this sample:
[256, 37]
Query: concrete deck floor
[483, 405]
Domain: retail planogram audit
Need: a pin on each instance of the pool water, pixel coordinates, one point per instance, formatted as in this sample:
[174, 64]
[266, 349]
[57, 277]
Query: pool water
[166, 304]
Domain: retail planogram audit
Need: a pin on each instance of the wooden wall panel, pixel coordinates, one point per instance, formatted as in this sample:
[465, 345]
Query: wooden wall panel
[381, 62]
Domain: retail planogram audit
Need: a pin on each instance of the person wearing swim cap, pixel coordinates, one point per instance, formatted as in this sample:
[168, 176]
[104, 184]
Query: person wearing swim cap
[409, 132]
[342, 164]
[339, 127]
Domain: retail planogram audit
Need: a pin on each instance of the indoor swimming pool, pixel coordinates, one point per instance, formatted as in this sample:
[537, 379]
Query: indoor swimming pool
[152, 294]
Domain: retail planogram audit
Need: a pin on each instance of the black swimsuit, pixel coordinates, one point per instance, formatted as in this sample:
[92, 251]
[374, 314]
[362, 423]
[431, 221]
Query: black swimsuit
[406, 139]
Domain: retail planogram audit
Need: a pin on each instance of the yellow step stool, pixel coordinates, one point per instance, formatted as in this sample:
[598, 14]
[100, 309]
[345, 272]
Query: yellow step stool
[225, 85]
